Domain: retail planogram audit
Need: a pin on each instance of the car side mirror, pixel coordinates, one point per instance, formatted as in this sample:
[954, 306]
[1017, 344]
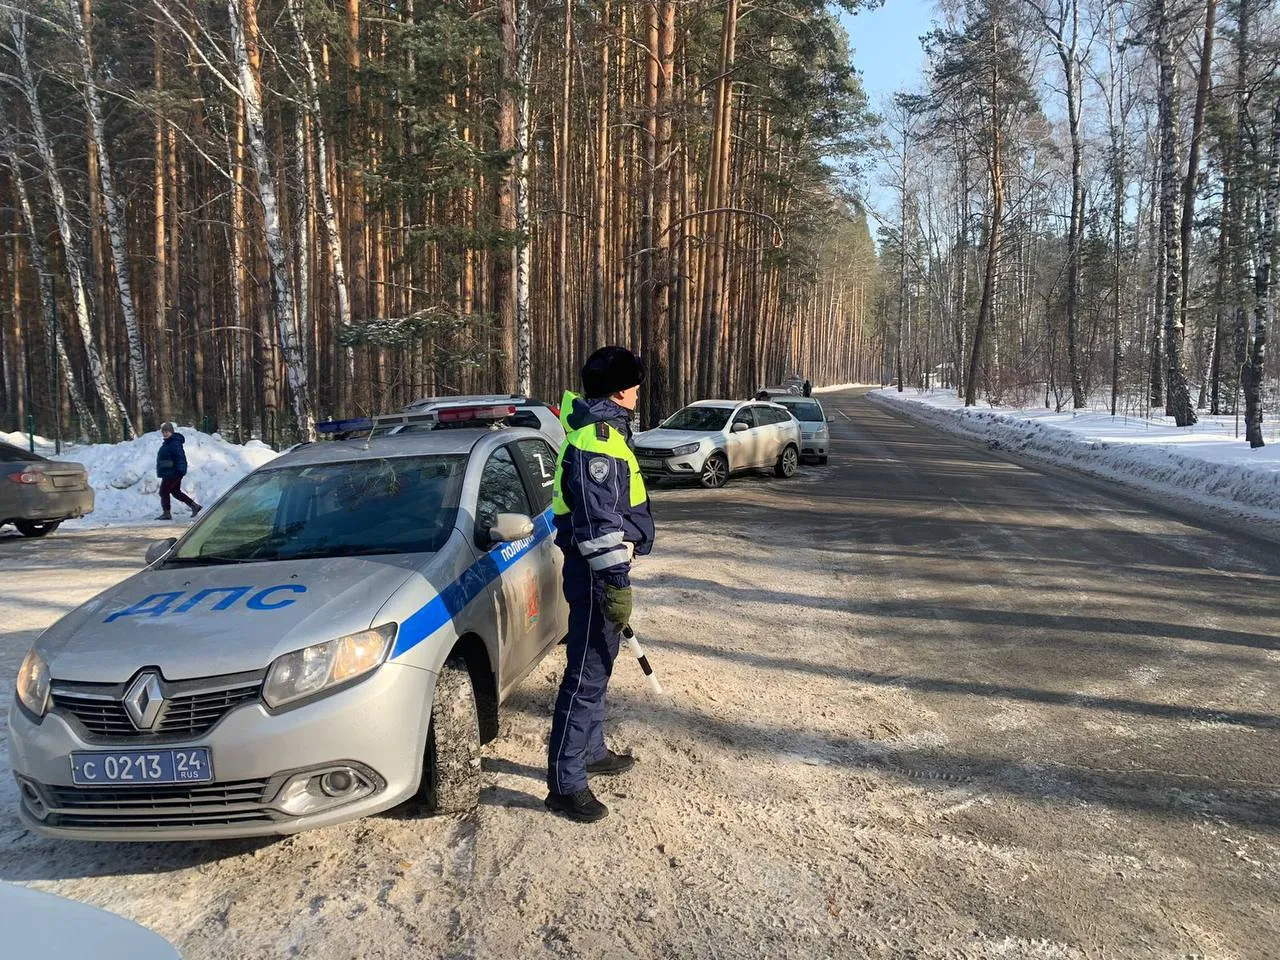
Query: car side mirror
[159, 548]
[508, 527]
[831, 419]
[739, 427]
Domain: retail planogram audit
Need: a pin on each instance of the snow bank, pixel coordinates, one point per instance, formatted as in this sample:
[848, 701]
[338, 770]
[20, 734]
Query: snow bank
[1204, 463]
[123, 475]
[44, 446]
[835, 387]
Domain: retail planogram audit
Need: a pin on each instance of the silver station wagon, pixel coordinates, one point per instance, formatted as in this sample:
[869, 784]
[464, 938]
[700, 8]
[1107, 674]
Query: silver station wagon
[332, 639]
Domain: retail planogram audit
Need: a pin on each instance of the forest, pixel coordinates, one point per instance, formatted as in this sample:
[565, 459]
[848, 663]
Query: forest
[1086, 197]
[253, 214]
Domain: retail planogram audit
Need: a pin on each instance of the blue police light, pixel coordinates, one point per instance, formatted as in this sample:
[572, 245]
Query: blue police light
[344, 426]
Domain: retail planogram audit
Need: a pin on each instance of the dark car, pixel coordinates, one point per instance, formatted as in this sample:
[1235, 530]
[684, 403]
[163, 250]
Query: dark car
[37, 494]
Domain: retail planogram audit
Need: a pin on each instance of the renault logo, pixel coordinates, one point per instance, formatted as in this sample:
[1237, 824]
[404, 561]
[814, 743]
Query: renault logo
[144, 700]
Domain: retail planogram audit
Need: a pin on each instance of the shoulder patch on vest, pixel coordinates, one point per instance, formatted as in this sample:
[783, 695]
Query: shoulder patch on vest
[602, 430]
[599, 469]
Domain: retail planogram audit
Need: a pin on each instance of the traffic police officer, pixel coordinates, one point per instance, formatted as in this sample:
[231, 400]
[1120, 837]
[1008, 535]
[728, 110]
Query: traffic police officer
[602, 520]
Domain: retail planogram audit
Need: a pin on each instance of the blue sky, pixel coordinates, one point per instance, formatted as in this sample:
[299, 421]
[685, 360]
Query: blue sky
[886, 50]
[886, 44]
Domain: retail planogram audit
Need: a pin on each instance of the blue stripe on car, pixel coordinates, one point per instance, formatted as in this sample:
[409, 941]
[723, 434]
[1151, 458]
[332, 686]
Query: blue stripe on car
[453, 599]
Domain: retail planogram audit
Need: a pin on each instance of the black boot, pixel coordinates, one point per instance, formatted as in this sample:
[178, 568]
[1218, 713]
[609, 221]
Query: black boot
[164, 516]
[611, 763]
[581, 806]
[195, 511]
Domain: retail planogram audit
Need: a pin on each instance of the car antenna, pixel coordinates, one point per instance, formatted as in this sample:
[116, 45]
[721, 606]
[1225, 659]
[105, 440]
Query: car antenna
[372, 427]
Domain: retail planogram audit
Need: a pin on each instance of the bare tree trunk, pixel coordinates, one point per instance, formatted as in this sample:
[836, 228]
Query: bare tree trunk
[281, 287]
[48, 305]
[993, 235]
[524, 259]
[599, 258]
[333, 235]
[1178, 393]
[561, 282]
[504, 261]
[113, 408]
[115, 226]
[1263, 306]
[1191, 183]
[159, 294]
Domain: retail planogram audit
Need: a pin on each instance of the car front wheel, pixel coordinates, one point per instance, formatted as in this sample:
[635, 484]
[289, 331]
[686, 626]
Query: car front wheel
[715, 471]
[788, 460]
[37, 528]
[451, 768]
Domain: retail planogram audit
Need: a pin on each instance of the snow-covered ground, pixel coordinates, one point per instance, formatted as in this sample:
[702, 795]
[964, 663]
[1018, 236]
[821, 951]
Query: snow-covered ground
[123, 475]
[837, 387]
[1205, 463]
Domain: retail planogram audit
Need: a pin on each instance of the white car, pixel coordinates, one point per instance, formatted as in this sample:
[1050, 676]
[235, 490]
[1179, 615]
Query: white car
[815, 434]
[711, 440]
[37, 924]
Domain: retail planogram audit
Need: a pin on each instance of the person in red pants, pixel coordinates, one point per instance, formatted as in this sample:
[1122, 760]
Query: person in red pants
[171, 467]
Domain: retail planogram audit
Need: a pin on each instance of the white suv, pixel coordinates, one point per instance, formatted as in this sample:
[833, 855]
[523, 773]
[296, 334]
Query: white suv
[710, 440]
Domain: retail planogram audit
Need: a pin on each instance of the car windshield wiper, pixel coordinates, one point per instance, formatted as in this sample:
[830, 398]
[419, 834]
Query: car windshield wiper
[340, 550]
[208, 561]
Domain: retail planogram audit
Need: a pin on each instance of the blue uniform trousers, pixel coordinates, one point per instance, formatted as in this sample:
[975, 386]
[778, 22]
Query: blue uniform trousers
[577, 728]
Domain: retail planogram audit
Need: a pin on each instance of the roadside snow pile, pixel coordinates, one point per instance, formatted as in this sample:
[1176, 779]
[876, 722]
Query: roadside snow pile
[835, 387]
[1204, 463]
[123, 475]
[44, 446]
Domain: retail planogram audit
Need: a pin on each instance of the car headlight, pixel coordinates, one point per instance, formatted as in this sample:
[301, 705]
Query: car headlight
[33, 684]
[686, 449]
[311, 670]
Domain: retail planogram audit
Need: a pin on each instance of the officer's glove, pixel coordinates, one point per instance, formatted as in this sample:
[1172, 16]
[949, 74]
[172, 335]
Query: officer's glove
[617, 605]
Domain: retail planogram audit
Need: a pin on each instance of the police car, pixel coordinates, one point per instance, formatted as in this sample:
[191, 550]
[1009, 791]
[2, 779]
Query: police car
[333, 638]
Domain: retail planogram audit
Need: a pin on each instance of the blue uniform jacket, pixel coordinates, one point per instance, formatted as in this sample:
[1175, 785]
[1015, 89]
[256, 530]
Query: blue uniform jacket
[597, 489]
[171, 460]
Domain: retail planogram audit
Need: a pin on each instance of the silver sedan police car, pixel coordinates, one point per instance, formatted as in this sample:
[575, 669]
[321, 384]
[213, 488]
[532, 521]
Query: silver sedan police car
[333, 638]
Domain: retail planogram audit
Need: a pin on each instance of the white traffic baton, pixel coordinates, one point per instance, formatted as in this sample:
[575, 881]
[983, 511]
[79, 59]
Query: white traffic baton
[634, 643]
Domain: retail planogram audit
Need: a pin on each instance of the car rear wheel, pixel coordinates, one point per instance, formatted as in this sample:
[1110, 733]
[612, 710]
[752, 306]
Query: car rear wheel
[37, 528]
[787, 463]
[451, 768]
[715, 471]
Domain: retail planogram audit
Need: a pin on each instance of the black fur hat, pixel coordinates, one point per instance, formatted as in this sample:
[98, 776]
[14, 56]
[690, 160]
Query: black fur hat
[611, 370]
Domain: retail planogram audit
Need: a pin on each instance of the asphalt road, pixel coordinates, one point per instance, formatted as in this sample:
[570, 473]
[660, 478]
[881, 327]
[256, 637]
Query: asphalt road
[922, 702]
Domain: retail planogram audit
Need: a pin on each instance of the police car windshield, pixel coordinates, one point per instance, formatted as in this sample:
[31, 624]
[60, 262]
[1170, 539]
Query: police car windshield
[361, 507]
[699, 418]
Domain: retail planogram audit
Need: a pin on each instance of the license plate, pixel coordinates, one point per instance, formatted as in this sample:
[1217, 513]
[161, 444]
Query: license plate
[651, 464]
[188, 765]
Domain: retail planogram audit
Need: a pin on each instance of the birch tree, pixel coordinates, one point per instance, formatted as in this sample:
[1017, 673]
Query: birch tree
[113, 408]
[116, 223]
[282, 287]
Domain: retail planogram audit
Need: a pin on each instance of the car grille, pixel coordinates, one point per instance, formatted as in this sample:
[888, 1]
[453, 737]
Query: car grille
[101, 712]
[179, 806]
[654, 452]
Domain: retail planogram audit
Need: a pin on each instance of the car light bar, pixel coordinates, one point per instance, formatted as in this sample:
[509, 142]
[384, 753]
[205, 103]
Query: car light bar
[461, 414]
[457, 414]
[344, 426]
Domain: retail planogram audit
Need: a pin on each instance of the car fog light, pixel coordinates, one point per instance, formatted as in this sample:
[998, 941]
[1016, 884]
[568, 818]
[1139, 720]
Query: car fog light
[318, 790]
[35, 803]
[337, 784]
